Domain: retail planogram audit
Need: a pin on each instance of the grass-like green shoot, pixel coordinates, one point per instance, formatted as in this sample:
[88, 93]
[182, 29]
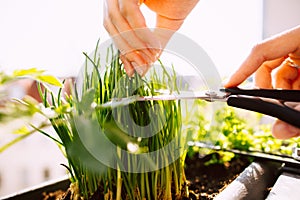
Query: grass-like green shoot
[127, 128]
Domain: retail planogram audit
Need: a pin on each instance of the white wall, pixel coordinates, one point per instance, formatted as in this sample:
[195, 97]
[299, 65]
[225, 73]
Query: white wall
[280, 15]
[30, 162]
[52, 34]
[226, 29]
[48, 34]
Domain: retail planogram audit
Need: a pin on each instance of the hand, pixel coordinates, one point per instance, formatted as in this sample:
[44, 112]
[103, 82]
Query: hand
[138, 45]
[281, 52]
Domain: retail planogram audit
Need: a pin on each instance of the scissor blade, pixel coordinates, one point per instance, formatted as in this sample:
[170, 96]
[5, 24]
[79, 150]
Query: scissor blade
[116, 102]
[170, 97]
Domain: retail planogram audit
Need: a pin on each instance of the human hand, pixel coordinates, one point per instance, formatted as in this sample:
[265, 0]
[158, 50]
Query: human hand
[281, 55]
[139, 46]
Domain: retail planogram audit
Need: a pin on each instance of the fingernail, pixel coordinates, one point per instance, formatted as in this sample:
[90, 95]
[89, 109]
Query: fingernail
[156, 51]
[140, 69]
[283, 130]
[130, 72]
[127, 66]
[225, 82]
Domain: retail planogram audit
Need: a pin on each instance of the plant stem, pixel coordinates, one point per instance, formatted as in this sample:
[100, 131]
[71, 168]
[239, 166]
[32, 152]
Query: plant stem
[119, 178]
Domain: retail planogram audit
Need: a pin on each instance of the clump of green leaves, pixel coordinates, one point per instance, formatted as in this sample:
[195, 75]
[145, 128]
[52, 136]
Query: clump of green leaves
[13, 109]
[108, 148]
[238, 135]
[229, 129]
[32, 73]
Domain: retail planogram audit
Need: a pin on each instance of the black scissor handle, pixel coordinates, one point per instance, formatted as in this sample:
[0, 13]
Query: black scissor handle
[285, 95]
[279, 111]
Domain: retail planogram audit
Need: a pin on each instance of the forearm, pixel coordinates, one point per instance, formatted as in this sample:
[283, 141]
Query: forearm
[170, 15]
[172, 9]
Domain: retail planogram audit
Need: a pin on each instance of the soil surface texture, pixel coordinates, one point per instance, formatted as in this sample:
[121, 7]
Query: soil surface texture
[204, 181]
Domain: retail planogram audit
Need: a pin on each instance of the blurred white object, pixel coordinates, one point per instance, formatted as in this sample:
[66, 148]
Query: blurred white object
[30, 162]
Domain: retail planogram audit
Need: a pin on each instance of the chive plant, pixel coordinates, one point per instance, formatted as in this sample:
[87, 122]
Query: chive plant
[120, 152]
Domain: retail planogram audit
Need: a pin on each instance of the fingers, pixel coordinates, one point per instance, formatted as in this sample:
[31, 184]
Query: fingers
[248, 67]
[279, 46]
[282, 52]
[263, 75]
[296, 82]
[129, 69]
[286, 76]
[125, 23]
[282, 130]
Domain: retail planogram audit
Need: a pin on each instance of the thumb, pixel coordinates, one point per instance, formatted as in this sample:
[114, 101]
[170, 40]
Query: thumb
[165, 28]
[282, 130]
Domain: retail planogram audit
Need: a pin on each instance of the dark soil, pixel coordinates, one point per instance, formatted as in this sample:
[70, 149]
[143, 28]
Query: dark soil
[204, 181]
[57, 195]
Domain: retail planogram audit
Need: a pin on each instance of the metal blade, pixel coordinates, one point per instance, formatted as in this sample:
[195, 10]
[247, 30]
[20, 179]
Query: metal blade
[207, 96]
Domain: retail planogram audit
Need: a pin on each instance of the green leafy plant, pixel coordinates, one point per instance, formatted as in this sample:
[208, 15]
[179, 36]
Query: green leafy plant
[231, 130]
[32, 73]
[12, 109]
[118, 152]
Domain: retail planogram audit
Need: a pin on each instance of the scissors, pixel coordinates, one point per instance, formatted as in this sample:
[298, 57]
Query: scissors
[272, 102]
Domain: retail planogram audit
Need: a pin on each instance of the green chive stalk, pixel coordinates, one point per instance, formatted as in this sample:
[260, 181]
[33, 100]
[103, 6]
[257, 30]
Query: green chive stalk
[122, 132]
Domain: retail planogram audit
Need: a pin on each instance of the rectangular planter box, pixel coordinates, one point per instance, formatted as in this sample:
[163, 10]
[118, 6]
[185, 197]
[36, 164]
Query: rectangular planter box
[36, 193]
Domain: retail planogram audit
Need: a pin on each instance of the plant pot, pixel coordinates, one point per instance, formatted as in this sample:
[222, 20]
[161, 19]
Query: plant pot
[194, 165]
[253, 182]
[37, 192]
